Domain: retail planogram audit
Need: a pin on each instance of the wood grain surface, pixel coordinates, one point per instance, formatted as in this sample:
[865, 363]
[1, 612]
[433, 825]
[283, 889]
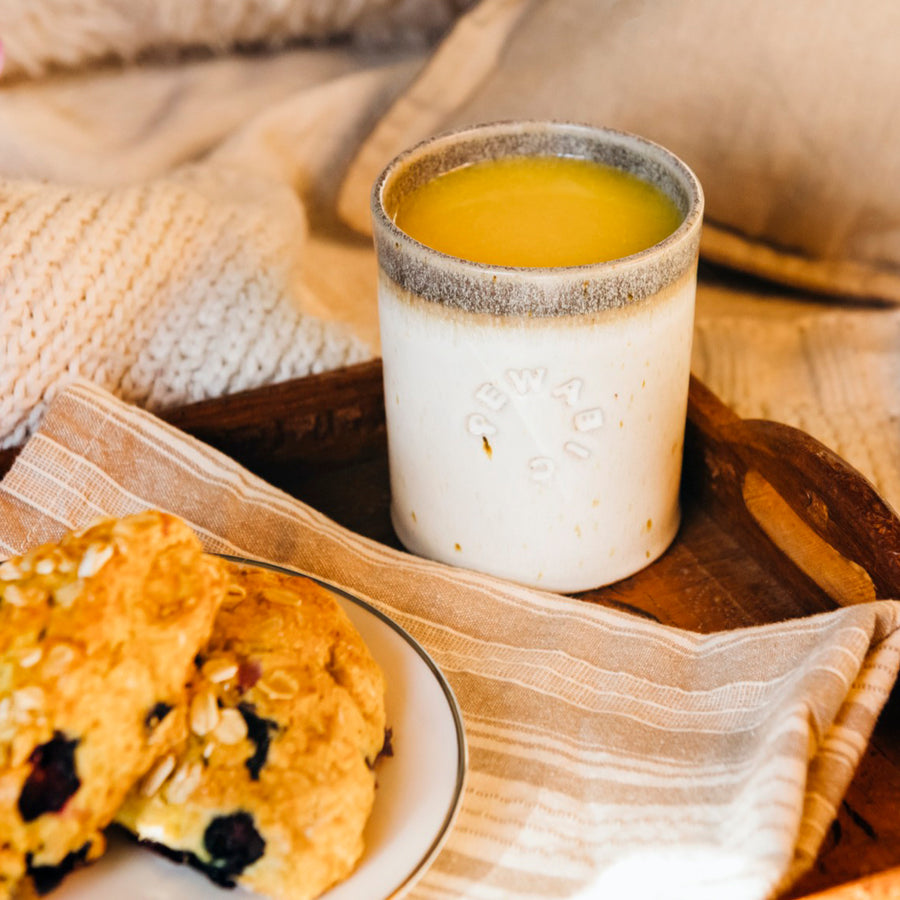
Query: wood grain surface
[774, 526]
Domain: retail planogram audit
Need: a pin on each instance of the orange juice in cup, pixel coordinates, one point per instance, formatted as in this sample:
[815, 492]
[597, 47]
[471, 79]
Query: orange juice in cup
[536, 299]
[538, 211]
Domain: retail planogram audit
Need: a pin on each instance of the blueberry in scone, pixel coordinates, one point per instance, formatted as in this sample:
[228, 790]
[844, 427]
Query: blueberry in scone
[97, 636]
[274, 783]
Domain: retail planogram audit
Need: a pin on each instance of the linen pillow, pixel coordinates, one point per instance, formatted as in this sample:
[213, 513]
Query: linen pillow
[787, 112]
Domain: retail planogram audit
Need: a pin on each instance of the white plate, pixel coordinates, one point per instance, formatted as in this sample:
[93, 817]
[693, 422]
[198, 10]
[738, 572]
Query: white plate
[418, 796]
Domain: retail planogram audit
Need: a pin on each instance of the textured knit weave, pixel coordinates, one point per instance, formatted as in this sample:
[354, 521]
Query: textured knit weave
[832, 372]
[166, 292]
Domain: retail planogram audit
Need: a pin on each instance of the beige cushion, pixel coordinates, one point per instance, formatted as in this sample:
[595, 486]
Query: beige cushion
[788, 112]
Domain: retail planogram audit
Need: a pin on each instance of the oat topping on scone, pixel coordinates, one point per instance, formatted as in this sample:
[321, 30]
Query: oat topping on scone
[97, 634]
[273, 785]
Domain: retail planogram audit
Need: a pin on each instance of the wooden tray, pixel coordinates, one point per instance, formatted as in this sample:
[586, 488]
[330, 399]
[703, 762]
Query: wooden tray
[775, 526]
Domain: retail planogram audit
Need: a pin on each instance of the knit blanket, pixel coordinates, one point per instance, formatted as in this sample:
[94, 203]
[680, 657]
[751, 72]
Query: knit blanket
[165, 292]
[150, 241]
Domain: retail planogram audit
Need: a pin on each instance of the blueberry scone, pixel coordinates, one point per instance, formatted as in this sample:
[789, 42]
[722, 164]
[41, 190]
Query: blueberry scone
[98, 633]
[274, 783]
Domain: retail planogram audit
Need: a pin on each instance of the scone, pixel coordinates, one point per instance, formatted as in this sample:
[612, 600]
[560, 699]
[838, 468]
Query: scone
[275, 782]
[97, 636]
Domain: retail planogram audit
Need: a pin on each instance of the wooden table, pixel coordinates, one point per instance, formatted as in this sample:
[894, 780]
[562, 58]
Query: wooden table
[775, 526]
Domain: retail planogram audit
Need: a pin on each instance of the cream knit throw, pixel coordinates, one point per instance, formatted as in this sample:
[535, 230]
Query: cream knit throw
[166, 292]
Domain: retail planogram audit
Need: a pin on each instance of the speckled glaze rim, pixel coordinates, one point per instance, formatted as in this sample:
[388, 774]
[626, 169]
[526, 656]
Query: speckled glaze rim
[534, 292]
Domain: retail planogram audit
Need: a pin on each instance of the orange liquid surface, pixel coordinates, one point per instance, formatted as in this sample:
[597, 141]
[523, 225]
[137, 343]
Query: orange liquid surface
[537, 211]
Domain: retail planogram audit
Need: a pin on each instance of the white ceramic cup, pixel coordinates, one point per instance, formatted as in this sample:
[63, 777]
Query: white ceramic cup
[536, 416]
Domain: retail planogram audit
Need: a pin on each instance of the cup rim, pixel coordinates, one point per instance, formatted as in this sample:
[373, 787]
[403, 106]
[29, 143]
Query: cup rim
[691, 184]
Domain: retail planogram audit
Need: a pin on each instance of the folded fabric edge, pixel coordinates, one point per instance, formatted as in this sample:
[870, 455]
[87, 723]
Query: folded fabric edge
[844, 279]
[836, 756]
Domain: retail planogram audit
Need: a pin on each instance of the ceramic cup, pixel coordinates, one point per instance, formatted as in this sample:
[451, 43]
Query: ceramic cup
[536, 416]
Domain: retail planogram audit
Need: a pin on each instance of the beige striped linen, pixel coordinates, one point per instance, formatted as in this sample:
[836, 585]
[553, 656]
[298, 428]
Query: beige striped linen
[609, 756]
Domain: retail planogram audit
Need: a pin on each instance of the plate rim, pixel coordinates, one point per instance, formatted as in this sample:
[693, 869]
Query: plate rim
[462, 757]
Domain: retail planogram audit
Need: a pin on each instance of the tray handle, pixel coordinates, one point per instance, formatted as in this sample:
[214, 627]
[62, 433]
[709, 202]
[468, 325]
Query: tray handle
[808, 509]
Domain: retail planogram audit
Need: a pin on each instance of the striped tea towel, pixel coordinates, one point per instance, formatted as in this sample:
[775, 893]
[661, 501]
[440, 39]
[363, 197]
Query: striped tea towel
[609, 756]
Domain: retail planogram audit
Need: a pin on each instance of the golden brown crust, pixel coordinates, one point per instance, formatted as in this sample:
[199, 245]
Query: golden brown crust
[97, 635]
[286, 719]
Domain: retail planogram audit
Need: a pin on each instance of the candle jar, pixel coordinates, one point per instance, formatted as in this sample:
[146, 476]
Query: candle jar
[536, 415]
